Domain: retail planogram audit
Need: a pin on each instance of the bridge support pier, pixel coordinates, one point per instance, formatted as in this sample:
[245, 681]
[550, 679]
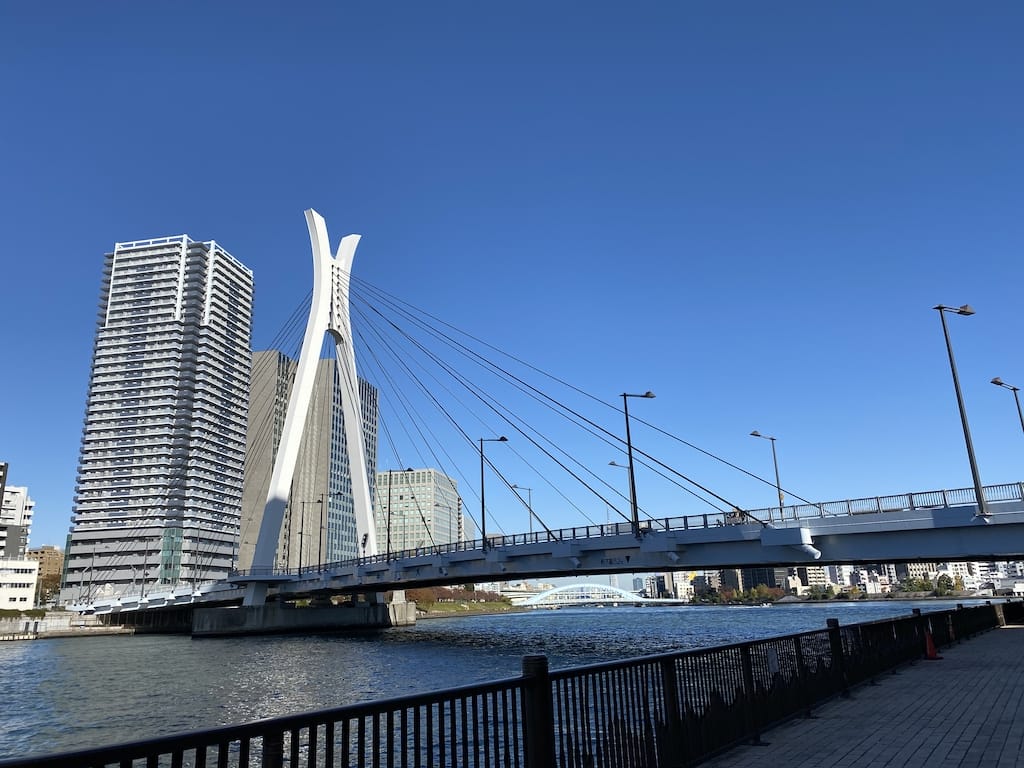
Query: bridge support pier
[282, 618]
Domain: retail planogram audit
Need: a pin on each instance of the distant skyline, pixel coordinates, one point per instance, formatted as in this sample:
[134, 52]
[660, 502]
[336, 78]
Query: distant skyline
[749, 209]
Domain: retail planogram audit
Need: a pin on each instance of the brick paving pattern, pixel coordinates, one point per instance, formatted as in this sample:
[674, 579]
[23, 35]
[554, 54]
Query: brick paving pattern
[964, 710]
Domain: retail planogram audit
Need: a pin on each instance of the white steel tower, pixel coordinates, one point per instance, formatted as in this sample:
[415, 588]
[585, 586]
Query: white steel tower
[158, 498]
[329, 313]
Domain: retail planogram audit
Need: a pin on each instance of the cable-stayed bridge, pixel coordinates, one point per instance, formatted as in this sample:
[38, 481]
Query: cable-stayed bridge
[419, 364]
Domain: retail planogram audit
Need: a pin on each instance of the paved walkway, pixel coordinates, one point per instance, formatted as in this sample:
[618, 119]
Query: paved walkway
[965, 710]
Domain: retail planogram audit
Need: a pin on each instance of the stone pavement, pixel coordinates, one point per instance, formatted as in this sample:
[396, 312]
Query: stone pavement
[964, 710]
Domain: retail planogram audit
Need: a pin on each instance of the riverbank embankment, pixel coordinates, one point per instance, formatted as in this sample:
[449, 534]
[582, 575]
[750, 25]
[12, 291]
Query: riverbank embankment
[56, 624]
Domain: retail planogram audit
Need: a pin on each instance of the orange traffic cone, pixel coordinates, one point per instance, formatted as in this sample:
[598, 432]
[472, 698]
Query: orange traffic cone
[930, 652]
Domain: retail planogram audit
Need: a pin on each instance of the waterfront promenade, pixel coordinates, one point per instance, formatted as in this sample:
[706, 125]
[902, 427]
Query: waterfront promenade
[964, 710]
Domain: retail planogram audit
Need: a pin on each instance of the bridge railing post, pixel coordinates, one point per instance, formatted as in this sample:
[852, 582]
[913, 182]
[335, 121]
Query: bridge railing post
[538, 714]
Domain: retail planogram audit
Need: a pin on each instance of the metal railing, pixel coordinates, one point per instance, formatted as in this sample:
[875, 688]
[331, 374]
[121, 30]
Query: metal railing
[672, 709]
[903, 502]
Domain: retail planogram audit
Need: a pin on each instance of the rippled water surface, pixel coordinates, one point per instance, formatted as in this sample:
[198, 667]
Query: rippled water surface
[73, 693]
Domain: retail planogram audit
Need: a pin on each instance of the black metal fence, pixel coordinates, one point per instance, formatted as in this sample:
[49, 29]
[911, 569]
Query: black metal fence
[673, 709]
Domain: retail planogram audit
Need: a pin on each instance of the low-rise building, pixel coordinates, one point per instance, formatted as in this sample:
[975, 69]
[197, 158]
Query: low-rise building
[50, 559]
[18, 584]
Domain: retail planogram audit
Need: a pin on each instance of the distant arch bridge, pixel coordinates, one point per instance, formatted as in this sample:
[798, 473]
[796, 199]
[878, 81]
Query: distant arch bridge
[589, 594]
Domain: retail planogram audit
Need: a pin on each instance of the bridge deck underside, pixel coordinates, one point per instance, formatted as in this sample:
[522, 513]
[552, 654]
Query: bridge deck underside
[937, 535]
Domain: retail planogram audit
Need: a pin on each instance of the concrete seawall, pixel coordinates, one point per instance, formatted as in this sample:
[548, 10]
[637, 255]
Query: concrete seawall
[57, 624]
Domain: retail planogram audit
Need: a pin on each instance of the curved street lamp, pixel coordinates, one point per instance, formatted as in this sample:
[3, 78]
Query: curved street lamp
[629, 453]
[775, 461]
[1000, 383]
[979, 491]
[483, 510]
[529, 502]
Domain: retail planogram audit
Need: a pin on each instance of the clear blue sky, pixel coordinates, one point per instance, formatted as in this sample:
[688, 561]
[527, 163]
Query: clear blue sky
[749, 208]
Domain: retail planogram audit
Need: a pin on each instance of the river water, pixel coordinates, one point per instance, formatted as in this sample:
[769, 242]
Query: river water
[73, 693]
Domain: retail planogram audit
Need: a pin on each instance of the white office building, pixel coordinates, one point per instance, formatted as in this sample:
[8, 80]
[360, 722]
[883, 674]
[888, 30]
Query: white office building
[16, 512]
[158, 497]
[418, 508]
[18, 580]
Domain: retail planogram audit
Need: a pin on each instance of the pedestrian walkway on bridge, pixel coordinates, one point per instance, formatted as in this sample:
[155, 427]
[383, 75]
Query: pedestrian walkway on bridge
[964, 710]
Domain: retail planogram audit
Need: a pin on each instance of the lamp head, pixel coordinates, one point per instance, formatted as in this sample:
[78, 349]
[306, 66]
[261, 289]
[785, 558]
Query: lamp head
[502, 439]
[755, 433]
[963, 309]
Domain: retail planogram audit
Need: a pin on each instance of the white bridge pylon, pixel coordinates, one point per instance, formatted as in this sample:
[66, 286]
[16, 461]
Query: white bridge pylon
[329, 313]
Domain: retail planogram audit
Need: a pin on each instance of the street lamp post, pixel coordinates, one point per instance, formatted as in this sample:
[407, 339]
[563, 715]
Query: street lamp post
[775, 461]
[1000, 383]
[302, 529]
[529, 503]
[979, 492]
[439, 507]
[629, 453]
[607, 506]
[483, 509]
[320, 542]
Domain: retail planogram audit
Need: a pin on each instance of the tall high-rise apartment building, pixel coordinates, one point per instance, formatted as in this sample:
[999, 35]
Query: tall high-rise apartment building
[418, 508]
[319, 524]
[158, 497]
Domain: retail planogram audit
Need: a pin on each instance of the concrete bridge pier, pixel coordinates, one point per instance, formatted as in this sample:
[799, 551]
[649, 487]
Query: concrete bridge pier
[321, 615]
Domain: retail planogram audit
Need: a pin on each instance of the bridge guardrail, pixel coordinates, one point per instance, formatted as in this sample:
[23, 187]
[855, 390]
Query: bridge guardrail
[669, 709]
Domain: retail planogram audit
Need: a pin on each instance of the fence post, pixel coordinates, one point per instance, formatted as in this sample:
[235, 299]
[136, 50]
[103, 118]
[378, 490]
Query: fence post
[670, 686]
[273, 750]
[674, 742]
[835, 643]
[802, 676]
[748, 684]
[538, 715]
[919, 624]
